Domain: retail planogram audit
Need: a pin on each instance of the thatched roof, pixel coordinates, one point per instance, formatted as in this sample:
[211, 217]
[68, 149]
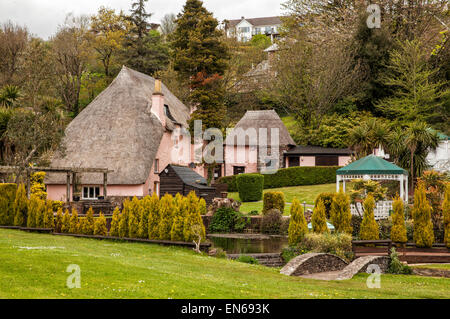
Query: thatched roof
[118, 131]
[257, 120]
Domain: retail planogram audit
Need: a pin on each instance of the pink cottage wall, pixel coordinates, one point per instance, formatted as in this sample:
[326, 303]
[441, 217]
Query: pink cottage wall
[59, 192]
[240, 156]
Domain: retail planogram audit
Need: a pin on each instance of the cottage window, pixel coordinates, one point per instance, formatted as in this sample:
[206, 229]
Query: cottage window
[91, 192]
[238, 170]
[244, 29]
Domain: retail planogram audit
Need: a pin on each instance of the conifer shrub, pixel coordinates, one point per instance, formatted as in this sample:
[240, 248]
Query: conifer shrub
[297, 224]
[123, 223]
[74, 222]
[327, 199]
[7, 198]
[318, 219]
[250, 187]
[20, 207]
[114, 230]
[37, 185]
[133, 218]
[167, 211]
[176, 233]
[40, 213]
[48, 220]
[144, 212]
[273, 200]
[446, 213]
[369, 227]
[33, 210]
[398, 231]
[65, 226]
[59, 220]
[423, 227]
[202, 206]
[341, 215]
[89, 224]
[153, 217]
[100, 226]
[193, 223]
[82, 226]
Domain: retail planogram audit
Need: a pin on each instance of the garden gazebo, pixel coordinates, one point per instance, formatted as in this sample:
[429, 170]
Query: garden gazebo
[377, 169]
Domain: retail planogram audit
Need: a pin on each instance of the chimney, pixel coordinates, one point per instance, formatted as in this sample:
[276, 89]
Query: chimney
[158, 103]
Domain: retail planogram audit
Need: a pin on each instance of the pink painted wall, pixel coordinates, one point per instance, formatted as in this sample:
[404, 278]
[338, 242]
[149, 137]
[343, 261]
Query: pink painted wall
[308, 161]
[344, 160]
[241, 156]
[58, 192]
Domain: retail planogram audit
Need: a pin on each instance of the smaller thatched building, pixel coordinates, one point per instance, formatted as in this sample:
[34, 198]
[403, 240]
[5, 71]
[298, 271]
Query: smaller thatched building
[257, 143]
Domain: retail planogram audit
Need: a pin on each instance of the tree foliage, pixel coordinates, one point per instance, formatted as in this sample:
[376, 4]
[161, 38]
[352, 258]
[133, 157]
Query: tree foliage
[423, 227]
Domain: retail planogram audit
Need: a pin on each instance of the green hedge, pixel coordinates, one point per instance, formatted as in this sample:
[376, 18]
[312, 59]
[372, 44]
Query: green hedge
[7, 197]
[292, 176]
[250, 187]
[273, 200]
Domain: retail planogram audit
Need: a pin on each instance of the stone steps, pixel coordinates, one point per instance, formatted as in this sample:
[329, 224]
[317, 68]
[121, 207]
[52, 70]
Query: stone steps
[268, 260]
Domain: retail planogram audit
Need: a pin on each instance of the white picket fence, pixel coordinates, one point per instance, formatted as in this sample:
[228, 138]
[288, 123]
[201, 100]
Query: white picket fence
[381, 210]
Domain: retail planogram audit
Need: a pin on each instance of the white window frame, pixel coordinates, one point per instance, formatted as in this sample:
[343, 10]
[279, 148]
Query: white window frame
[89, 192]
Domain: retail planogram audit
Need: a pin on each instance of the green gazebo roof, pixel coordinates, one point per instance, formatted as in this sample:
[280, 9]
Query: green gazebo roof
[371, 165]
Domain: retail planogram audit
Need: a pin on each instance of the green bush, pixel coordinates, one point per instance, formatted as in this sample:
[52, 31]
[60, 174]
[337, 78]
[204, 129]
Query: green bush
[273, 200]
[248, 260]
[341, 215]
[287, 177]
[100, 226]
[7, 197]
[398, 231]
[250, 187]
[319, 220]
[227, 220]
[291, 252]
[446, 213]
[114, 230]
[230, 181]
[65, 227]
[193, 223]
[74, 222]
[327, 199]
[297, 223]
[272, 222]
[299, 176]
[167, 212]
[423, 227]
[20, 207]
[339, 244]
[153, 217]
[59, 220]
[396, 266]
[369, 227]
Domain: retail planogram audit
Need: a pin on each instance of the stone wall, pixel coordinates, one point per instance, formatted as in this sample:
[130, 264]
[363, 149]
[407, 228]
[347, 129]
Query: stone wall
[312, 263]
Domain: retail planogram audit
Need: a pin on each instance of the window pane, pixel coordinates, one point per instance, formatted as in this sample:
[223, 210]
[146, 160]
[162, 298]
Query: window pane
[85, 192]
[91, 192]
[97, 192]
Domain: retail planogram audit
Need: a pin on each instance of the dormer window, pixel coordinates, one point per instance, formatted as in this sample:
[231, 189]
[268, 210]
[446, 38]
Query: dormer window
[166, 110]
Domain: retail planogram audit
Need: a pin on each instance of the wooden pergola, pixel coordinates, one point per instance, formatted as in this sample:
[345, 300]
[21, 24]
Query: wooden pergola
[70, 172]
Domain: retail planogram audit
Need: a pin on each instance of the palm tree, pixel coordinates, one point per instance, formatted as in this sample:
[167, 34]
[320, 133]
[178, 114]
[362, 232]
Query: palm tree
[420, 139]
[410, 146]
[359, 140]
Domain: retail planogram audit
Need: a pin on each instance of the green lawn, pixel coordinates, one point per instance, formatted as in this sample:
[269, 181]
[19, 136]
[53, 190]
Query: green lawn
[34, 266]
[303, 193]
[435, 266]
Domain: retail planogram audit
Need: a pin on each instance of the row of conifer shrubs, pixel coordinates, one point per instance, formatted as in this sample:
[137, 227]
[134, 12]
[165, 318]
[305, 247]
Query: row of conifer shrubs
[169, 218]
[341, 218]
[287, 177]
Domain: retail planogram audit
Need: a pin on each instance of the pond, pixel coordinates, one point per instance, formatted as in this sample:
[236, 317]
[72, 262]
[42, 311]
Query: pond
[248, 244]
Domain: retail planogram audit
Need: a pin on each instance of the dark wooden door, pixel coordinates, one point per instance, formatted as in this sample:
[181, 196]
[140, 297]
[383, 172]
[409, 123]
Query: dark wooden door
[294, 161]
[327, 160]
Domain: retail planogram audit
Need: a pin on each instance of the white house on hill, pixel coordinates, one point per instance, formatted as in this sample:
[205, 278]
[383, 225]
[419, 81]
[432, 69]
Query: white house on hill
[244, 29]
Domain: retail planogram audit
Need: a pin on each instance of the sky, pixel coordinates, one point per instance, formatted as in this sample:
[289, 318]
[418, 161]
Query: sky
[42, 17]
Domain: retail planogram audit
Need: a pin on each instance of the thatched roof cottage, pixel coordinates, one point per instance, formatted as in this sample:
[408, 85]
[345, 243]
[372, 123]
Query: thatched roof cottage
[127, 129]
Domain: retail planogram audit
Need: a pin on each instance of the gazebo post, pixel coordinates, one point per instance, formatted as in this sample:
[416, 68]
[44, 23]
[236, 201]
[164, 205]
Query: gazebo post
[402, 187]
[407, 191]
[338, 182]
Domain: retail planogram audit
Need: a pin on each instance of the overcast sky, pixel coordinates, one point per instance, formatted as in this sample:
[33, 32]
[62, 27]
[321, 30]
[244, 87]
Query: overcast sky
[42, 17]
